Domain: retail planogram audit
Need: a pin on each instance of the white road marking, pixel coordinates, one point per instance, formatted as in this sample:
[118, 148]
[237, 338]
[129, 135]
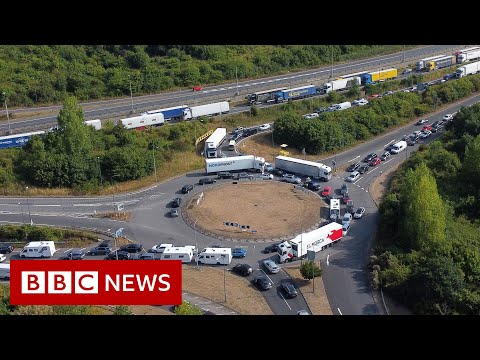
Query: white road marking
[267, 276]
[328, 257]
[82, 249]
[362, 188]
[67, 250]
[339, 311]
[389, 142]
[97, 204]
[358, 181]
[354, 158]
[285, 301]
[46, 205]
[388, 161]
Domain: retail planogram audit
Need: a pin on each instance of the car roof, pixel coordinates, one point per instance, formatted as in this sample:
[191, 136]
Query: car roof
[354, 173]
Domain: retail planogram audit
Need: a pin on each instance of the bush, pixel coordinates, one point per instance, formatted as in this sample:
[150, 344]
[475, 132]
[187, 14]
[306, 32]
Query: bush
[310, 270]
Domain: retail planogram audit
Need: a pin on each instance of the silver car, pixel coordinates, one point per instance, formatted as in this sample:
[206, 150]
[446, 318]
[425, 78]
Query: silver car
[271, 266]
[292, 179]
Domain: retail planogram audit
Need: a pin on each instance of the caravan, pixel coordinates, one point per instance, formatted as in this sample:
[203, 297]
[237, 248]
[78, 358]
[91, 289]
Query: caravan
[38, 249]
[178, 253]
[4, 271]
[215, 256]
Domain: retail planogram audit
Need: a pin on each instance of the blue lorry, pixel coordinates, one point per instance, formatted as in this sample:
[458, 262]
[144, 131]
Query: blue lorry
[17, 140]
[171, 113]
[295, 93]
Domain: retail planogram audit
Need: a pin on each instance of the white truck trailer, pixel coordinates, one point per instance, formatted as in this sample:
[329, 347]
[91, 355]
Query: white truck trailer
[183, 253]
[315, 240]
[214, 141]
[312, 169]
[97, 124]
[235, 163]
[38, 249]
[422, 63]
[206, 110]
[468, 69]
[215, 256]
[468, 55]
[140, 122]
[341, 84]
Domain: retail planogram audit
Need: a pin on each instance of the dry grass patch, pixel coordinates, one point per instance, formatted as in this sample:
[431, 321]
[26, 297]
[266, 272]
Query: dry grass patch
[208, 282]
[317, 301]
[124, 216]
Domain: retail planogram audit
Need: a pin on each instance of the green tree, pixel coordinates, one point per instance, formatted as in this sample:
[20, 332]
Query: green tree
[33, 310]
[354, 91]
[122, 310]
[310, 269]
[187, 309]
[471, 163]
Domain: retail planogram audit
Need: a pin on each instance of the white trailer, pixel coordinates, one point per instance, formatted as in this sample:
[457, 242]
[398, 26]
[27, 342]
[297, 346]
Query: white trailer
[341, 84]
[315, 170]
[97, 124]
[315, 240]
[468, 55]
[468, 69]
[235, 163]
[343, 106]
[334, 209]
[4, 271]
[214, 141]
[422, 63]
[206, 110]
[215, 256]
[178, 253]
[38, 249]
[140, 122]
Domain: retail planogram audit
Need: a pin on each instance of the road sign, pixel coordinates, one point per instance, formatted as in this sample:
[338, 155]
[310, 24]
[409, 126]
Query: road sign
[118, 232]
[311, 255]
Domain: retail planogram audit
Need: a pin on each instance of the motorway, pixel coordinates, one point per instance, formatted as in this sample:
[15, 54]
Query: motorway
[107, 109]
[345, 264]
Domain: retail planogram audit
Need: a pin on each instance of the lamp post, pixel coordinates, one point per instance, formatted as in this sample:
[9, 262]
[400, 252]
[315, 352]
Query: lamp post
[131, 94]
[236, 76]
[6, 109]
[28, 205]
[331, 72]
[225, 285]
[21, 207]
[100, 171]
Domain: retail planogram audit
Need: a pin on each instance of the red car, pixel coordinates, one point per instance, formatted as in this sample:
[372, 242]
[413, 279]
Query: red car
[197, 88]
[346, 198]
[375, 162]
[427, 127]
[327, 191]
[373, 96]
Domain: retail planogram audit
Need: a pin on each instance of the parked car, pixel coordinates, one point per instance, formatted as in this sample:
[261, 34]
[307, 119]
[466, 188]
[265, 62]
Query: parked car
[176, 202]
[303, 312]
[385, 156]
[264, 127]
[6, 248]
[353, 176]
[448, 117]
[375, 162]
[197, 88]
[144, 256]
[173, 212]
[160, 248]
[346, 198]
[187, 188]
[239, 252]
[436, 128]
[422, 121]
[327, 190]
[289, 290]
[386, 93]
[345, 228]
[292, 179]
[448, 77]
[407, 71]
[359, 213]
[354, 167]
[132, 248]
[310, 116]
[238, 129]
[268, 167]
[100, 250]
[2, 258]
[369, 157]
[373, 96]
[312, 185]
[244, 175]
[122, 255]
[427, 127]
[74, 254]
[270, 248]
[271, 266]
[278, 172]
[242, 269]
[360, 102]
[411, 141]
[347, 217]
[344, 189]
[206, 180]
[389, 147]
[266, 176]
[262, 282]
[425, 134]
[225, 175]
[363, 169]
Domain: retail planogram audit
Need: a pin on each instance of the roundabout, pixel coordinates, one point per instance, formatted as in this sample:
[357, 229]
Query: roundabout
[253, 210]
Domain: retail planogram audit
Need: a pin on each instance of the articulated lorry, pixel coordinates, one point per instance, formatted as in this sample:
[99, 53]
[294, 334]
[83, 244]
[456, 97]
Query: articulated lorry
[219, 108]
[170, 113]
[214, 141]
[441, 63]
[422, 63]
[468, 55]
[142, 121]
[341, 84]
[376, 76]
[312, 169]
[468, 69]
[235, 163]
[315, 240]
[295, 93]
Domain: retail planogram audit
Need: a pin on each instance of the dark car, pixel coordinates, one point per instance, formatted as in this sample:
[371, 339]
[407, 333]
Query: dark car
[411, 141]
[389, 147]
[100, 250]
[278, 172]
[262, 282]
[176, 202]
[187, 188]
[289, 290]
[6, 248]
[363, 169]
[132, 248]
[353, 167]
[270, 248]
[144, 256]
[173, 212]
[242, 269]
[204, 181]
[311, 185]
[225, 175]
[249, 132]
[244, 175]
[75, 254]
[370, 157]
[122, 255]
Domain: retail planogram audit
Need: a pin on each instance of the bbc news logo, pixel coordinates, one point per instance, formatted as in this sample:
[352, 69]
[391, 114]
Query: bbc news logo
[95, 282]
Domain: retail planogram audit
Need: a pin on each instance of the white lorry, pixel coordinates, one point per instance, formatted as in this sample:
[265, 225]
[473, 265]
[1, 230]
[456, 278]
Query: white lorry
[315, 170]
[468, 55]
[315, 240]
[97, 124]
[468, 69]
[214, 141]
[341, 84]
[140, 122]
[4, 271]
[235, 163]
[422, 63]
[178, 253]
[206, 110]
[215, 256]
[38, 249]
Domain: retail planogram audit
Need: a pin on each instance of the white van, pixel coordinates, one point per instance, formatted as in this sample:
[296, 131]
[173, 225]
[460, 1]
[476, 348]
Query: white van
[215, 256]
[38, 249]
[178, 253]
[4, 271]
[231, 145]
[398, 147]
